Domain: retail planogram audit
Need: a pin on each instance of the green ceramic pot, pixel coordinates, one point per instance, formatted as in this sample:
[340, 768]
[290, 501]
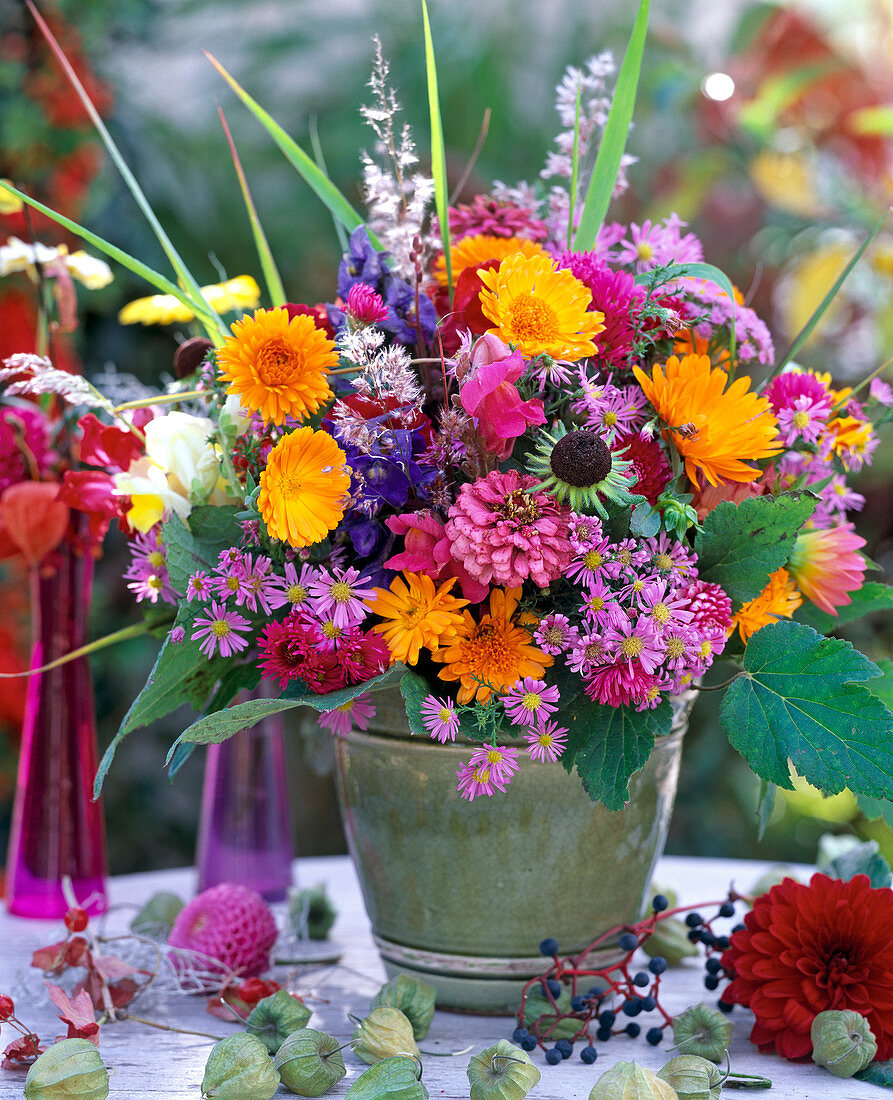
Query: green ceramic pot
[461, 894]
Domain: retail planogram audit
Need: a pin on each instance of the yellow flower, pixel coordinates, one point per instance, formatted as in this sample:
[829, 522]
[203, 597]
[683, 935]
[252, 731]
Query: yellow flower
[778, 600]
[278, 365]
[540, 310]
[9, 203]
[164, 309]
[494, 654]
[479, 248]
[419, 616]
[303, 488]
[714, 431]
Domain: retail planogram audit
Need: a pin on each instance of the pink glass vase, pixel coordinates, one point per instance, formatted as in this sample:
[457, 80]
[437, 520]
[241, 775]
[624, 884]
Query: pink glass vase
[245, 827]
[57, 829]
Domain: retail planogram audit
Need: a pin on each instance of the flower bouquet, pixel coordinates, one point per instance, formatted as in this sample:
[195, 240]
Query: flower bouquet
[516, 467]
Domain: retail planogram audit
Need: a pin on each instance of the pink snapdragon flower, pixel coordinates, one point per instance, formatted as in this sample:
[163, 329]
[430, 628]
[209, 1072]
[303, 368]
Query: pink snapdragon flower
[489, 394]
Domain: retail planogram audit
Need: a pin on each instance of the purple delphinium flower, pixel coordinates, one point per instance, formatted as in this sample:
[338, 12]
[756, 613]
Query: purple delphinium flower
[220, 631]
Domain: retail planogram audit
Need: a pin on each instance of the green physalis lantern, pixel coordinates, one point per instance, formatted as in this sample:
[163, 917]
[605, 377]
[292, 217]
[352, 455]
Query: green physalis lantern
[311, 913]
[309, 1062]
[842, 1042]
[413, 997]
[702, 1030]
[692, 1077]
[239, 1068]
[630, 1081]
[384, 1032]
[390, 1079]
[274, 1018]
[71, 1068]
[157, 916]
[670, 941]
[503, 1072]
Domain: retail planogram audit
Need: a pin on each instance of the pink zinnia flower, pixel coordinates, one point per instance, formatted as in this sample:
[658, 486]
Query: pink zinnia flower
[530, 701]
[489, 394]
[504, 532]
[220, 631]
[365, 305]
[356, 712]
[440, 718]
[547, 743]
[710, 607]
[826, 566]
[495, 218]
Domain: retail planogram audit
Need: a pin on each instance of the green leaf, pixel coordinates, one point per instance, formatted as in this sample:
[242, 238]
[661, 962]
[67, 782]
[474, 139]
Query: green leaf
[872, 596]
[765, 806]
[844, 857]
[644, 521]
[275, 288]
[883, 686]
[877, 1073]
[199, 307]
[876, 808]
[607, 745]
[318, 180]
[414, 689]
[183, 274]
[742, 544]
[711, 274]
[438, 153]
[182, 673]
[806, 331]
[223, 724]
[610, 151]
[198, 546]
[801, 700]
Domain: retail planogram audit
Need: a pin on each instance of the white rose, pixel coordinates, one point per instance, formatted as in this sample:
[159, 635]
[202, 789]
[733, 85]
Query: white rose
[178, 443]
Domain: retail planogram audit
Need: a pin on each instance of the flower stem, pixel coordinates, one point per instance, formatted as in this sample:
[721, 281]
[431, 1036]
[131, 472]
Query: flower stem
[167, 1027]
[164, 399]
[123, 635]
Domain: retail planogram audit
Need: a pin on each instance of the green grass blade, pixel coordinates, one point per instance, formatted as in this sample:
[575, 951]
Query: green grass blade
[319, 182]
[320, 159]
[807, 329]
[183, 273]
[610, 152]
[209, 319]
[275, 288]
[438, 153]
[575, 167]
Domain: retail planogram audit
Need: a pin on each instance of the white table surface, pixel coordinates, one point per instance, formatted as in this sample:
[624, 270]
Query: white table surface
[151, 1063]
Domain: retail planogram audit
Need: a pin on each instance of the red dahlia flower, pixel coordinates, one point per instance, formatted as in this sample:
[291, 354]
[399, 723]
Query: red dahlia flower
[805, 949]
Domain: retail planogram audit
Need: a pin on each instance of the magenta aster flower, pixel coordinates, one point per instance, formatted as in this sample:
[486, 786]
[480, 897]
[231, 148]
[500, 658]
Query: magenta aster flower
[505, 532]
[258, 586]
[477, 779]
[294, 650]
[670, 558]
[177, 635]
[530, 701]
[620, 684]
[547, 743]
[365, 306]
[339, 595]
[198, 587]
[600, 606]
[362, 654]
[355, 712]
[501, 760]
[589, 652]
[650, 464]
[220, 630]
[440, 718]
[554, 634]
[635, 640]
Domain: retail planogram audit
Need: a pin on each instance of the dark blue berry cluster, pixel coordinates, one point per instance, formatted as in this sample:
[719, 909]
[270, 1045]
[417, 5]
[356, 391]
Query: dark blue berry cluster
[571, 1011]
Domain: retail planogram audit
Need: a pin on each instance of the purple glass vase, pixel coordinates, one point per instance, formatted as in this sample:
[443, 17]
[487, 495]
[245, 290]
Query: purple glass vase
[57, 829]
[245, 828]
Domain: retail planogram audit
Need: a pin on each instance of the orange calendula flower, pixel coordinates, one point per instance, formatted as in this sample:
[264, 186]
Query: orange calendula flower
[419, 615]
[494, 654]
[540, 310]
[778, 600]
[714, 429]
[303, 488]
[479, 248]
[277, 365]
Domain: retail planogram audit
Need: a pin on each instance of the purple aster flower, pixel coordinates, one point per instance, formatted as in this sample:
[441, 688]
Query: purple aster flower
[588, 566]
[600, 607]
[655, 245]
[220, 631]
[357, 711]
[881, 392]
[804, 419]
[555, 634]
[150, 586]
[177, 635]
[440, 718]
[259, 586]
[530, 701]
[588, 653]
[636, 640]
[670, 558]
[547, 743]
[501, 760]
[293, 588]
[340, 595]
[199, 587]
[666, 610]
[477, 779]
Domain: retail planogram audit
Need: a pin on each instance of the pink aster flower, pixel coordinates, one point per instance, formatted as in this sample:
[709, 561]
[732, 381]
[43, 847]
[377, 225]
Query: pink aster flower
[547, 743]
[620, 684]
[611, 410]
[355, 712]
[880, 391]
[635, 641]
[365, 306]
[530, 701]
[555, 634]
[488, 393]
[177, 635]
[788, 387]
[671, 558]
[259, 585]
[500, 760]
[198, 587]
[668, 610]
[588, 652]
[589, 564]
[505, 532]
[600, 607]
[477, 779]
[294, 587]
[655, 245]
[220, 630]
[338, 594]
[440, 718]
[804, 419]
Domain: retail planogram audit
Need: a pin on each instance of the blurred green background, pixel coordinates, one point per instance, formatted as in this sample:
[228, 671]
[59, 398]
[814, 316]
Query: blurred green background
[773, 179]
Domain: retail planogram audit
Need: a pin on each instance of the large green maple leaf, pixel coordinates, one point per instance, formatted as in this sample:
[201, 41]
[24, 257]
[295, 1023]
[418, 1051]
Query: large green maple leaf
[801, 700]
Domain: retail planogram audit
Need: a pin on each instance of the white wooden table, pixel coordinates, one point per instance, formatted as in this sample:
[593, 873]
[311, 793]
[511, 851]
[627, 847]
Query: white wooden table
[152, 1063]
